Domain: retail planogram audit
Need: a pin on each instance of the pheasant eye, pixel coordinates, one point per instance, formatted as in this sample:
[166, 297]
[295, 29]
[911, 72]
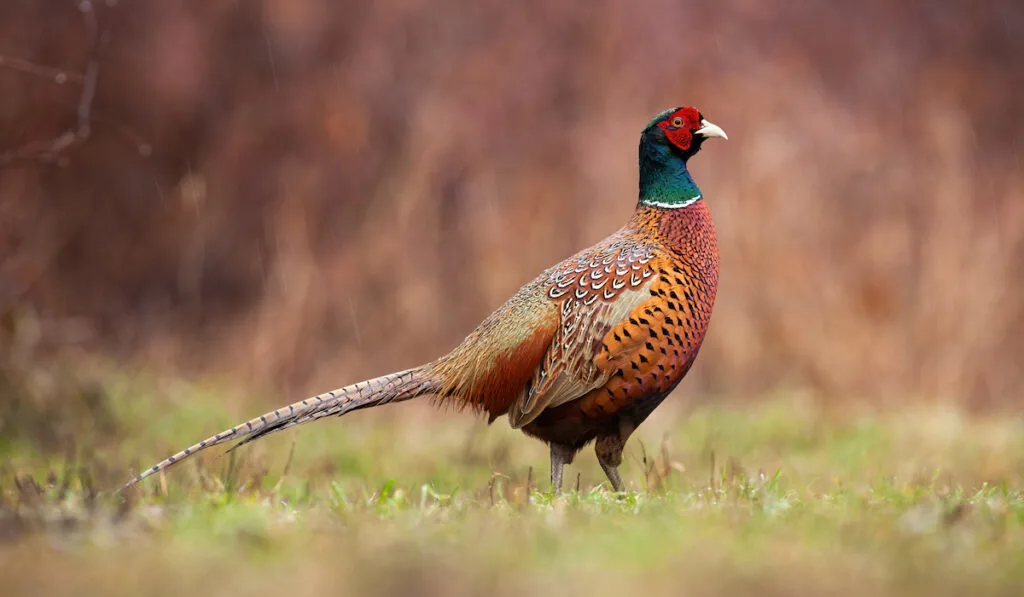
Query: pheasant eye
[677, 122]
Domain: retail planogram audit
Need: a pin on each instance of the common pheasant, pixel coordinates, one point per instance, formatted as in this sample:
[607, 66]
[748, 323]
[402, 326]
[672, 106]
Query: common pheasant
[588, 349]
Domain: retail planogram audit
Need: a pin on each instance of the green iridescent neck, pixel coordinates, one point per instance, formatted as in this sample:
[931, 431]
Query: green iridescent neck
[664, 179]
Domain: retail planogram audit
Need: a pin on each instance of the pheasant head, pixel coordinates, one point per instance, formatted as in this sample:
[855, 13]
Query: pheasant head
[670, 139]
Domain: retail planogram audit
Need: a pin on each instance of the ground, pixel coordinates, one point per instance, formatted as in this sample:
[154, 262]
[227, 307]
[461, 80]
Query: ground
[781, 496]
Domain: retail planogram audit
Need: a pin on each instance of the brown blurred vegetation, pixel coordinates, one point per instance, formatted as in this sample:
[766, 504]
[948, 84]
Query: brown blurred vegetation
[303, 193]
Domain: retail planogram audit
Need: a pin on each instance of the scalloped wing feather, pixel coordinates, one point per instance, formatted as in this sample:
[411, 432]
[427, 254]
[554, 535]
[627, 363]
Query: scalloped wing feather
[596, 292]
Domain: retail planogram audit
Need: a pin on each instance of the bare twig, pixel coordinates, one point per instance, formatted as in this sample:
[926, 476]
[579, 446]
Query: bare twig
[92, 70]
[529, 484]
[58, 75]
[287, 466]
[711, 473]
[493, 484]
[51, 149]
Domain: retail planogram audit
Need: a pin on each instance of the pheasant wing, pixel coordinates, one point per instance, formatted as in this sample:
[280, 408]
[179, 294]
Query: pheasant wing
[596, 291]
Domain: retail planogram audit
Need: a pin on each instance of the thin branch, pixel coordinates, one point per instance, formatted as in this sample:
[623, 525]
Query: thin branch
[92, 70]
[50, 150]
[58, 75]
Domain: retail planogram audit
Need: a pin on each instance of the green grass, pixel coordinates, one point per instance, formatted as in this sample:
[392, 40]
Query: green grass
[778, 498]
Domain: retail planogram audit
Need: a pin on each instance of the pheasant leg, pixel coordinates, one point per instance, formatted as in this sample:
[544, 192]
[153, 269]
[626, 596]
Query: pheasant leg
[609, 453]
[560, 456]
[613, 476]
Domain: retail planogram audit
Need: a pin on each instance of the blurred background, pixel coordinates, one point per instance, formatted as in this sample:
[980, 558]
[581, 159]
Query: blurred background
[292, 195]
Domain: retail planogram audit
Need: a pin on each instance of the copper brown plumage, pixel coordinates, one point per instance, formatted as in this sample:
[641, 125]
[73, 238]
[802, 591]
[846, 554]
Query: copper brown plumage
[588, 349]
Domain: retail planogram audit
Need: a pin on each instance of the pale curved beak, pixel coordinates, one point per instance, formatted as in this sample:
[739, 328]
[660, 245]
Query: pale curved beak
[710, 129]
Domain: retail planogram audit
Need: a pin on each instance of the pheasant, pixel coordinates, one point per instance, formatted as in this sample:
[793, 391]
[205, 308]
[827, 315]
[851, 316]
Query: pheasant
[589, 348]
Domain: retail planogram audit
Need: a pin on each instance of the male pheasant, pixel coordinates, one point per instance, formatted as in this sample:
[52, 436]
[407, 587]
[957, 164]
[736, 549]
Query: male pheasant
[588, 349]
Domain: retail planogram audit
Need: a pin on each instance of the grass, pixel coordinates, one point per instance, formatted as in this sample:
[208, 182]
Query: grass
[778, 498]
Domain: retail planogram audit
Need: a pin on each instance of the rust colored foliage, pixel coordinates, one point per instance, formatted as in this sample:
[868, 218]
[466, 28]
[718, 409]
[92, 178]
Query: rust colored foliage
[302, 193]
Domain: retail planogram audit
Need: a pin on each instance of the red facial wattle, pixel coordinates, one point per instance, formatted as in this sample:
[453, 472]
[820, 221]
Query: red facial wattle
[679, 127]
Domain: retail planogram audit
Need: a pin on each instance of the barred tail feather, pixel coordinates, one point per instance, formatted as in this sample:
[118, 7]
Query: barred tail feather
[395, 387]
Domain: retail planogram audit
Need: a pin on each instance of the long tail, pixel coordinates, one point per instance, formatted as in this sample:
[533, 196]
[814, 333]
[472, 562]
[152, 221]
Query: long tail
[395, 387]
